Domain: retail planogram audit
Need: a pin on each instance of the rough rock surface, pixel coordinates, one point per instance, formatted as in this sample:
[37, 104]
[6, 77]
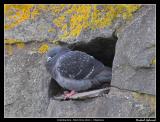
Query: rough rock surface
[135, 50]
[26, 94]
[26, 84]
[116, 104]
[27, 81]
[34, 29]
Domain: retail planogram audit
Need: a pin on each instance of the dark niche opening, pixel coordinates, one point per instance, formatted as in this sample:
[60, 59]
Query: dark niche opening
[103, 49]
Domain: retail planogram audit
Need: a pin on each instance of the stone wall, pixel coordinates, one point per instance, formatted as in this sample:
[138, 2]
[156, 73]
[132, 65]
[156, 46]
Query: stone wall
[133, 85]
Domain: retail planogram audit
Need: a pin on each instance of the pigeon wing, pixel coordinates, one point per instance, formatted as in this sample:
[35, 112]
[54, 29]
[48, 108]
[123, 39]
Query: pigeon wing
[79, 65]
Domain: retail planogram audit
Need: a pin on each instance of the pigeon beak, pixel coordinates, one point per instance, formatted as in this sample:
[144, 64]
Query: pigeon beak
[48, 59]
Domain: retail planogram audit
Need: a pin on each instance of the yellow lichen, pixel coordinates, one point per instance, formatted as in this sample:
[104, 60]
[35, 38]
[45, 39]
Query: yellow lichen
[150, 99]
[153, 61]
[12, 41]
[16, 14]
[9, 45]
[70, 19]
[20, 45]
[43, 48]
[89, 16]
[9, 49]
[51, 30]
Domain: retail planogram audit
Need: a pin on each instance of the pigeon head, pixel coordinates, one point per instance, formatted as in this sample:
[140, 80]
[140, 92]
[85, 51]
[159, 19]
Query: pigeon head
[53, 52]
[52, 56]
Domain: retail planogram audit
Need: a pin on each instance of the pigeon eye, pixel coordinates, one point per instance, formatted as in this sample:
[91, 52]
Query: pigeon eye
[48, 59]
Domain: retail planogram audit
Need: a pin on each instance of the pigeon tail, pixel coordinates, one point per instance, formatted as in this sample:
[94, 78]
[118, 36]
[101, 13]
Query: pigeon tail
[102, 78]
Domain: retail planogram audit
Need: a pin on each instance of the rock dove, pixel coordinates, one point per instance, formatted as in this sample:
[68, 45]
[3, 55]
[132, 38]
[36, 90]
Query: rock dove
[75, 70]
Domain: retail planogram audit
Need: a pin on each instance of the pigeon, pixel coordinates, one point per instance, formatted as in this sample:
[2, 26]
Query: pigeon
[76, 71]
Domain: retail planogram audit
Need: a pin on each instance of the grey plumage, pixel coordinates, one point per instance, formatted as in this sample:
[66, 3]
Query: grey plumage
[76, 70]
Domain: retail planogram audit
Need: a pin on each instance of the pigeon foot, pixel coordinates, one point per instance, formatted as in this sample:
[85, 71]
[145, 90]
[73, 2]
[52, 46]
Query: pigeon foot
[68, 94]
